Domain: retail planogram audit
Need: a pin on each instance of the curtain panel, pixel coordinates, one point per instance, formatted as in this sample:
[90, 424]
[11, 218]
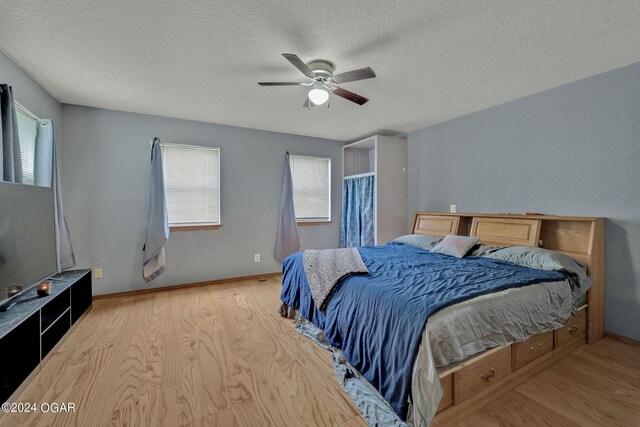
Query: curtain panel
[10, 157]
[153, 264]
[47, 175]
[287, 241]
[358, 212]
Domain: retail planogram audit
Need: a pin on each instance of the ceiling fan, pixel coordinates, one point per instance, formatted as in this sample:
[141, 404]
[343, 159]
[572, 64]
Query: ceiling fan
[323, 81]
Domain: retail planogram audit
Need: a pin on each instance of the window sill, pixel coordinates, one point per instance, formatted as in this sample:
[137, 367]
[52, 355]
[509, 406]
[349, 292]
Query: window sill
[202, 227]
[306, 223]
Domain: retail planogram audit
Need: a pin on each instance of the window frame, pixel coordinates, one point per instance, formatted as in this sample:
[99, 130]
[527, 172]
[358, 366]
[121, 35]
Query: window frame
[315, 220]
[195, 226]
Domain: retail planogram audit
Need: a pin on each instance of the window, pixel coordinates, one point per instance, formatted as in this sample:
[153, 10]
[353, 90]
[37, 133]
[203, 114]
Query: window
[311, 188]
[192, 185]
[27, 135]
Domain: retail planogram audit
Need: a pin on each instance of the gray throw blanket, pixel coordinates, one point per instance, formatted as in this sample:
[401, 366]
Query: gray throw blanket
[325, 268]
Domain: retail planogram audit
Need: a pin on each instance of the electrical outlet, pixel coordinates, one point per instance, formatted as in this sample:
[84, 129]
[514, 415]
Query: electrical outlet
[453, 208]
[256, 258]
[97, 273]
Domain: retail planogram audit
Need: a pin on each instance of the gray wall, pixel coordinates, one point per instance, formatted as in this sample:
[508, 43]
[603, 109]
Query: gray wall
[106, 173]
[573, 150]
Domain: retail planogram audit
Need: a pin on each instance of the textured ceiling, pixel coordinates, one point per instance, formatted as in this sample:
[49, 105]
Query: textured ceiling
[200, 60]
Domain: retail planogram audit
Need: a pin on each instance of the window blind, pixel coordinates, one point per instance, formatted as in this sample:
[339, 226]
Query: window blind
[27, 136]
[192, 184]
[311, 187]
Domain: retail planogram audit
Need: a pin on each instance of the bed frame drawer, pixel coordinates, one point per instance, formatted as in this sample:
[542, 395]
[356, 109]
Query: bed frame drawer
[482, 374]
[574, 330]
[529, 350]
[447, 393]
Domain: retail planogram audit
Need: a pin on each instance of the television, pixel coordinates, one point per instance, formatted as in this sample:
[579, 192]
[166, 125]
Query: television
[27, 237]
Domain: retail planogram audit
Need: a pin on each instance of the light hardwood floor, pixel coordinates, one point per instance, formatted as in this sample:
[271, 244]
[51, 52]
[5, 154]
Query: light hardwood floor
[221, 355]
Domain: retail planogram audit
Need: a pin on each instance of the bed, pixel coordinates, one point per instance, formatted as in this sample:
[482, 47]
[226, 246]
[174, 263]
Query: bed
[431, 355]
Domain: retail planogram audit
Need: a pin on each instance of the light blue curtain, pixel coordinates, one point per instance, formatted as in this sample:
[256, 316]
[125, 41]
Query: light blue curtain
[287, 241]
[46, 175]
[43, 163]
[358, 212]
[10, 157]
[157, 220]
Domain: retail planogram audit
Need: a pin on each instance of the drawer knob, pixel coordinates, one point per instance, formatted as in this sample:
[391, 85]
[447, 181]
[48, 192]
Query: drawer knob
[487, 378]
[573, 330]
[533, 348]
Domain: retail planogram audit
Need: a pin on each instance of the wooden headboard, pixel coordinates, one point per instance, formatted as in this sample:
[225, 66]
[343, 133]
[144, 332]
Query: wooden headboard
[506, 231]
[436, 225]
[582, 238]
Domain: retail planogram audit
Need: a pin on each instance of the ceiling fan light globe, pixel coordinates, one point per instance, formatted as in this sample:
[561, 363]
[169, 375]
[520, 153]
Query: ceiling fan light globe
[318, 96]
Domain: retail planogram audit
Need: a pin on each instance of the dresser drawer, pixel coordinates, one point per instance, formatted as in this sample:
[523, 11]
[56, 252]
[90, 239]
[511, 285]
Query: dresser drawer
[447, 392]
[529, 350]
[575, 330]
[53, 309]
[482, 374]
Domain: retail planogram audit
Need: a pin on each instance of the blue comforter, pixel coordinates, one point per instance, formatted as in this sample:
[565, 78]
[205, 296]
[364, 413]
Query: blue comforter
[377, 320]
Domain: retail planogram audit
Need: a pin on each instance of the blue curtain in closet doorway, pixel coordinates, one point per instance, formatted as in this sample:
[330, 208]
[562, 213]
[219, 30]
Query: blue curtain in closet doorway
[358, 216]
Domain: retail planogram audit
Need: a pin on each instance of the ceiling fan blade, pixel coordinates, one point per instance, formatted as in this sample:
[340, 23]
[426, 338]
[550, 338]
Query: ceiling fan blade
[348, 95]
[352, 76]
[280, 83]
[297, 62]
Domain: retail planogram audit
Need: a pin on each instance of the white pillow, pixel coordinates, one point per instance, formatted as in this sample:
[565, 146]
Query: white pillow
[456, 246]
